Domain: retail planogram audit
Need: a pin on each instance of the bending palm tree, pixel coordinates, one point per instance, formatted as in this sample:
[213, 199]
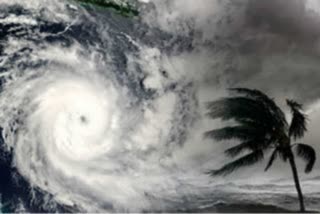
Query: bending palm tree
[260, 126]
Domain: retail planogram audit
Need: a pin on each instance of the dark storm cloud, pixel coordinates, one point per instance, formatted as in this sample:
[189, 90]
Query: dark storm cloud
[271, 45]
[277, 49]
[289, 19]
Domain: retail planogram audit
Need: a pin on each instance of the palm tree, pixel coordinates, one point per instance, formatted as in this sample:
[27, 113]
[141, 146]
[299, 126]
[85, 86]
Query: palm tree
[260, 126]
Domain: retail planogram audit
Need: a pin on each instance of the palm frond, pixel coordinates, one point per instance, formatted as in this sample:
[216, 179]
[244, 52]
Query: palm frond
[249, 145]
[244, 161]
[298, 124]
[308, 154]
[236, 108]
[283, 153]
[244, 111]
[271, 160]
[294, 105]
[277, 114]
[238, 149]
[233, 132]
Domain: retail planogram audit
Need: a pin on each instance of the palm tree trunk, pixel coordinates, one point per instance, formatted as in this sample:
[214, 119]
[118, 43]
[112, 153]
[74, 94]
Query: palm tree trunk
[296, 180]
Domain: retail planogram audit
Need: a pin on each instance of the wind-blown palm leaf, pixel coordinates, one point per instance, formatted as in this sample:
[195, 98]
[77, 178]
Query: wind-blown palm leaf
[249, 145]
[233, 132]
[271, 160]
[278, 116]
[241, 109]
[283, 153]
[244, 161]
[238, 149]
[298, 124]
[308, 154]
[294, 105]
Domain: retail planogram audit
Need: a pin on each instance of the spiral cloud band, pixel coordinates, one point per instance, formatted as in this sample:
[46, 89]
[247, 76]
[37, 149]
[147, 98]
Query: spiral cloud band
[80, 136]
[102, 113]
[64, 127]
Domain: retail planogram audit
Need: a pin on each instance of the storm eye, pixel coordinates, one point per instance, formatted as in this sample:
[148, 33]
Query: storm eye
[83, 119]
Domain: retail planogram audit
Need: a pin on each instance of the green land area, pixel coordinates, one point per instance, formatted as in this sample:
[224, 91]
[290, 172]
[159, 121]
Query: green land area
[123, 8]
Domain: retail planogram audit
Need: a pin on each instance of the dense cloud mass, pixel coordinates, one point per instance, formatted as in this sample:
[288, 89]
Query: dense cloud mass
[129, 126]
[269, 45]
[264, 41]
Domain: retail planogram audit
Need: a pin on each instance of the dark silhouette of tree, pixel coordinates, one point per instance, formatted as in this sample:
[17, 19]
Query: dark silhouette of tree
[261, 127]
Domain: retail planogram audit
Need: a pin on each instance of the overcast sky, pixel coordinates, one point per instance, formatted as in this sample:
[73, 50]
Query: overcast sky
[269, 45]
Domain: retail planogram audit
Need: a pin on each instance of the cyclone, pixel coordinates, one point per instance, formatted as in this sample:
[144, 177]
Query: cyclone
[105, 113]
[85, 132]
[65, 128]
[76, 135]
